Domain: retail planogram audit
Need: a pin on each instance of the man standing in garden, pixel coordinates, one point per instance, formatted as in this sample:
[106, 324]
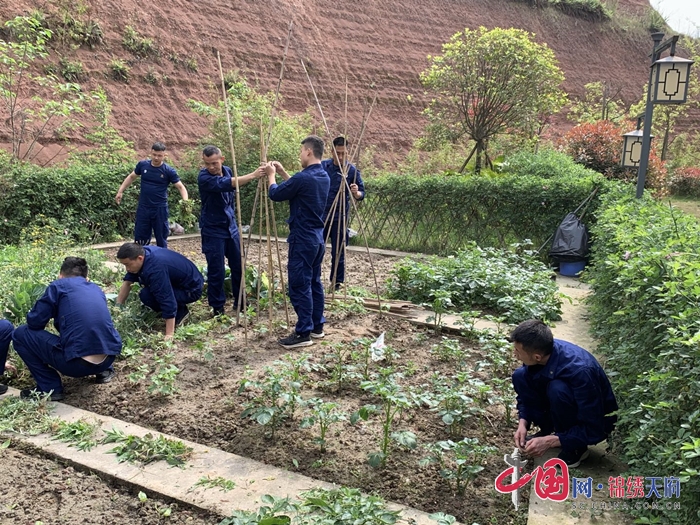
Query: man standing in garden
[306, 192]
[87, 342]
[220, 236]
[563, 390]
[341, 172]
[169, 281]
[152, 211]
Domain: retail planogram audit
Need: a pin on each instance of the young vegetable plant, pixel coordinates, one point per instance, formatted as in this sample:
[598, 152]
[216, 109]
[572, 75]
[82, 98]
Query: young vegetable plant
[451, 401]
[459, 462]
[325, 414]
[336, 364]
[440, 303]
[394, 401]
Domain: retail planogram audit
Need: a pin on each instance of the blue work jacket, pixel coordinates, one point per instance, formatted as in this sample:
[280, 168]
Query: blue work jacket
[306, 192]
[336, 178]
[594, 397]
[218, 196]
[81, 316]
[162, 271]
[154, 183]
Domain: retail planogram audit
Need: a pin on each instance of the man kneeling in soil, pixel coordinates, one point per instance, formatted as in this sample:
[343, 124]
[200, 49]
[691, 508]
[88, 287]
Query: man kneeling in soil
[169, 281]
[562, 389]
[88, 342]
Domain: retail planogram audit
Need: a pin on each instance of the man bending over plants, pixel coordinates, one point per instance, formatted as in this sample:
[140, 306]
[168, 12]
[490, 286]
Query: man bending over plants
[169, 281]
[563, 390]
[6, 330]
[87, 342]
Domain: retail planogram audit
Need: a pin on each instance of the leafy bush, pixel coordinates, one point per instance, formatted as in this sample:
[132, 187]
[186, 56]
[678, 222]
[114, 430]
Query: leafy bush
[515, 285]
[685, 182]
[546, 163]
[119, 70]
[138, 45]
[646, 315]
[72, 71]
[442, 214]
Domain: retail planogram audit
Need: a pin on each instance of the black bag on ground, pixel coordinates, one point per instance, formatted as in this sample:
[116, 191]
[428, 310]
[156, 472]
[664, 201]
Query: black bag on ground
[570, 242]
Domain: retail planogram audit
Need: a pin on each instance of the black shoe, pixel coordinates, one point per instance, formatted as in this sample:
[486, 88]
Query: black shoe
[3, 389]
[218, 312]
[183, 314]
[28, 393]
[295, 341]
[338, 286]
[105, 377]
[318, 333]
[573, 457]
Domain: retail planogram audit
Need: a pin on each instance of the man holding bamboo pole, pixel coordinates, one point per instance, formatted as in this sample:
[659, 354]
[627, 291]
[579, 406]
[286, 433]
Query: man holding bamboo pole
[220, 238]
[306, 192]
[343, 176]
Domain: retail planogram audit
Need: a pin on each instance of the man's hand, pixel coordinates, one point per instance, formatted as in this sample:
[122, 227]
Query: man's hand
[119, 196]
[536, 447]
[269, 169]
[278, 167]
[355, 190]
[10, 369]
[520, 434]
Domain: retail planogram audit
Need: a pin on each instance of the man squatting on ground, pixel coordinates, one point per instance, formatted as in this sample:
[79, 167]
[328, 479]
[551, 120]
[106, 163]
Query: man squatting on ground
[306, 192]
[220, 237]
[562, 389]
[152, 211]
[87, 342]
[169, 281]
[340, 217]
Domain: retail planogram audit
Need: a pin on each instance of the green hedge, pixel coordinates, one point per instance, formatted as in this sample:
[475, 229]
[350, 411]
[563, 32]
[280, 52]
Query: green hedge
[646, 314]
[442, 214]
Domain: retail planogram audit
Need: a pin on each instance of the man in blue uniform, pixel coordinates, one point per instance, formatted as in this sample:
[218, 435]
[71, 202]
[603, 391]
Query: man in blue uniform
[6, 330]
[563, 390]
[306, 192]
[87, 342]
[336, 227]
[152, 211]
[220, 236]
[169, 281]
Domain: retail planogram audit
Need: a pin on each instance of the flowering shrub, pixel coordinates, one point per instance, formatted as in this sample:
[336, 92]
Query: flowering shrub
[685, 182]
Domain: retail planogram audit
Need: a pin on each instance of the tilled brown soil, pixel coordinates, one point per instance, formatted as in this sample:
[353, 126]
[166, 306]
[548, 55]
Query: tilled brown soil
[207, 408]
[36, 489]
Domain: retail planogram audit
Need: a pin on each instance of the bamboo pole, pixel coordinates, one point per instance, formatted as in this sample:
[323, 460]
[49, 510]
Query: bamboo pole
[241, 292]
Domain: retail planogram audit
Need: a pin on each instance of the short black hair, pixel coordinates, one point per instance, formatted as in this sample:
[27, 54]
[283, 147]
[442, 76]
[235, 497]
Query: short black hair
[74, 267]
[158, 146]
[534, 335]
[315, 143]
[130, 250]
[210, 151]
[340, 141]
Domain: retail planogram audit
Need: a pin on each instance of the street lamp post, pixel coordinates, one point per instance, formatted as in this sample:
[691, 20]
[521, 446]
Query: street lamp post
[668, 84]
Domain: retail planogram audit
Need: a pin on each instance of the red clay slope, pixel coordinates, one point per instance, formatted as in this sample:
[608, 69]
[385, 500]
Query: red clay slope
[374, 44]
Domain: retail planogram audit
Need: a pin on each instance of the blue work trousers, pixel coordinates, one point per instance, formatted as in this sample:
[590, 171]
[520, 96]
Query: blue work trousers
[154, 219]
[182, 298]
[305, 287]
[6, 330]
[215, 249]
[42, 353]
[337, 248]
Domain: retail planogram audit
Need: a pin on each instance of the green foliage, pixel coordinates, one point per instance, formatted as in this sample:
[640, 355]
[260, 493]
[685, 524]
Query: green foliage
[345, 505]
[490, 81]
[73, 25]
[24, 416]
[588, 9]
[191, 64]
[598, 103]
[685, 182]
[138, 45]
[218, 482]
[515, 285]
[442, 214]
[71, 71]
[646, 315]
[547, 163]
[459, 462]
[53, 106]
[79, 434]
[324, 414]
[80, 203]
[151, 77]
[22, 300]
[119, 70]
[147, 449]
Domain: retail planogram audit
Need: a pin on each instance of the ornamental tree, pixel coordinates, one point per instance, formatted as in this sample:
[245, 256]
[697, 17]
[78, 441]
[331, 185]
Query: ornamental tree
[488, 82]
